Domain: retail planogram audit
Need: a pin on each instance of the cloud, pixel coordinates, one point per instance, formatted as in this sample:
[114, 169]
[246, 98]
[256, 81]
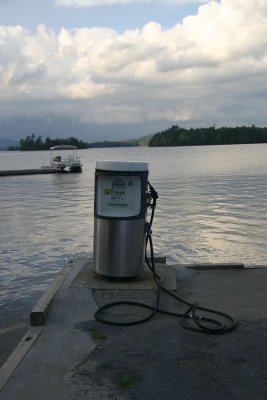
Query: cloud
[211, 68]
[91, 3]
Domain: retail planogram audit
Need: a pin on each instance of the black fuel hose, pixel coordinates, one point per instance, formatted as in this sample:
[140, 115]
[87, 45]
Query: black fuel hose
[212, 321]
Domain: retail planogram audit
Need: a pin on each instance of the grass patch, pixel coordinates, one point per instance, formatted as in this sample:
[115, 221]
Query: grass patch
[126, 379]
[96, 336]
[186, 362]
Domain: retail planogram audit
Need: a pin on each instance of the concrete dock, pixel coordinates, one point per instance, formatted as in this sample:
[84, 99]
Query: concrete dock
[32, 171]
[35, 171]
[67, 355]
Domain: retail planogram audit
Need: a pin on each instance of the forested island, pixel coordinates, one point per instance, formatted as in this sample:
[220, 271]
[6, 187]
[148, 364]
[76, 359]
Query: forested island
[176, 136]
[33, 142]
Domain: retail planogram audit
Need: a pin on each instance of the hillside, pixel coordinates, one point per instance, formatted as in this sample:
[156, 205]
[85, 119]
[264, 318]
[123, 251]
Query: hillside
[5, 143]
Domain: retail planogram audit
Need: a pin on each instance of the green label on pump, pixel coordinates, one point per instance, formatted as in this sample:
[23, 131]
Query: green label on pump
[108, 192]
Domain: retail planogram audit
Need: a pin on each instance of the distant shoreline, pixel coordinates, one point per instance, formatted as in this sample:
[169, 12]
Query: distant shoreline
[171, 137]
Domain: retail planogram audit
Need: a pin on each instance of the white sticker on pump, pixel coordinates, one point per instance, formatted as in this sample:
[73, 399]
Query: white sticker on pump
[118, 190]
[118, 196]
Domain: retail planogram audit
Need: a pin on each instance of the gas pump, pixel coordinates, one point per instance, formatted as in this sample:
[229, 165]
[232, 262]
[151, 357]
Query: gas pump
[120, 218]
[121, 233]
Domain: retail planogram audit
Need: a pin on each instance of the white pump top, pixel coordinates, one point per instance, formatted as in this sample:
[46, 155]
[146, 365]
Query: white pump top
[127, 166]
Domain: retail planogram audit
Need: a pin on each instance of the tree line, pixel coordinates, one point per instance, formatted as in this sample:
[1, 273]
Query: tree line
[177, 136]
[33, 142]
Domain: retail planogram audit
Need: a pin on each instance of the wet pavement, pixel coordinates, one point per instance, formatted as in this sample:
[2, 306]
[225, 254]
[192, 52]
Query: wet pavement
[76, 357]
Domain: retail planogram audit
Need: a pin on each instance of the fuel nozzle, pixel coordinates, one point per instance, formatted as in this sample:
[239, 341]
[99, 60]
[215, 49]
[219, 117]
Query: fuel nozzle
[151, 196]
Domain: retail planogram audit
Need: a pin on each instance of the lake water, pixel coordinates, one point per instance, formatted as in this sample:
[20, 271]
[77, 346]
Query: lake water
[212, 207]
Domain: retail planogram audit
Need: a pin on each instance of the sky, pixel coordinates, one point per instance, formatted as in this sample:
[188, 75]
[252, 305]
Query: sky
[120, 69]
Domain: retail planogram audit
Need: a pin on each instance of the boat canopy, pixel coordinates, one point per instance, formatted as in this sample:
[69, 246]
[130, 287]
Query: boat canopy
[63, 147]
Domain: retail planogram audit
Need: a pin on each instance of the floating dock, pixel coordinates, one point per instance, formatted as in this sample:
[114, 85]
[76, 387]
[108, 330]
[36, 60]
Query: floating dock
[67, 355]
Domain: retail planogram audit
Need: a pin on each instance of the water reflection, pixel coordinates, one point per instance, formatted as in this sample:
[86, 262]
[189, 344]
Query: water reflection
[210, 219]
